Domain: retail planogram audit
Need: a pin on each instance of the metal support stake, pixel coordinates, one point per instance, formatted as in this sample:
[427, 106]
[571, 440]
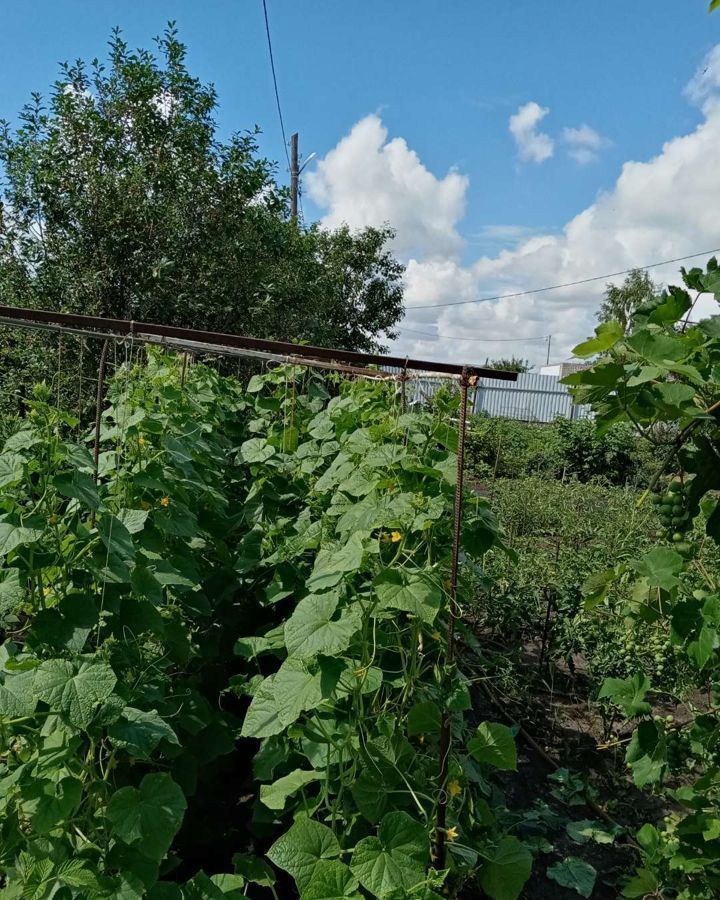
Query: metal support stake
[98, 405]
[403, 390]
[445, 736]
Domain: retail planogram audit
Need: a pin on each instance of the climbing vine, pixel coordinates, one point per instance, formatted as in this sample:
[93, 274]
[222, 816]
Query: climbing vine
[256, 572]
[663, 378]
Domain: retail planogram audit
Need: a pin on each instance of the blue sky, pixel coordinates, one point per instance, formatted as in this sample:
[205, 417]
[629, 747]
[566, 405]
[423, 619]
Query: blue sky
[443, 77]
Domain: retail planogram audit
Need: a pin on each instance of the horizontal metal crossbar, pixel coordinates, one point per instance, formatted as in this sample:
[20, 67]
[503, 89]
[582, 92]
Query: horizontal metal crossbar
[217, 341]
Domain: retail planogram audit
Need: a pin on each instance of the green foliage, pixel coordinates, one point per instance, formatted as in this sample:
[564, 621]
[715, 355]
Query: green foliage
[561, 590]
[120, 199]
[505, 448]
[320, 516]
[508, 364]
[620, 303]
[574, 873]
[665, 371]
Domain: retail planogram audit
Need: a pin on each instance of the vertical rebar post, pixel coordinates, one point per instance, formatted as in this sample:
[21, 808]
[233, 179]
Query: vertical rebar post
[98, 404]
[403, 389]
[445, 735]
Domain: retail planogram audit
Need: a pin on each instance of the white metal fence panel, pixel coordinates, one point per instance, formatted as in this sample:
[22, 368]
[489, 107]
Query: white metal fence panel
[532, 398]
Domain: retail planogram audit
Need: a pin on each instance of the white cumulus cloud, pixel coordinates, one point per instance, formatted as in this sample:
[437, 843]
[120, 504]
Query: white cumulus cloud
[705, 83]
[533, 145]
[584, 144]
[370, 180]
[658, 209]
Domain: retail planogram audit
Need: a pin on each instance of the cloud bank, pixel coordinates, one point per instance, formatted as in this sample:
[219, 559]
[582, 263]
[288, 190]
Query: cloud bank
[658, 209]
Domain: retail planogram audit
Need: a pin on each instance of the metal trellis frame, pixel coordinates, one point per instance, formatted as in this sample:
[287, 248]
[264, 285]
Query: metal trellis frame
[128, 328]
[193, 341]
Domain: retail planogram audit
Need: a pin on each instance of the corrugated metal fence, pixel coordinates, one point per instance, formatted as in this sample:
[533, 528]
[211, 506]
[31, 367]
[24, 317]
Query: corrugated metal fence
[532, 398]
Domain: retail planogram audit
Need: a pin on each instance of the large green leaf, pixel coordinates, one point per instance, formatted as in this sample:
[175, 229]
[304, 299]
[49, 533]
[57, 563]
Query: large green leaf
[494, 745]
[12, 536]
[657, 347]
[300, 850]
[148, 817]
[396, 859]
[17, 695]
[12, 466]
[283, 697]
[588, 830]
[12, 592]
[412, 593]
[313, 628]
[606, 336]
[275, 795]
[370, 794]
[574, 873]
[628, 694]
[331, 565]
[74, 691]
[423, 718]
[78, 486]
[644, 883]
[675, 303]
[506, 870]
[331, 880]
[116, 537]
[52, 801]
[256, 450]
[646, 753]
[139, 732]
[661, 567]
[133, 519]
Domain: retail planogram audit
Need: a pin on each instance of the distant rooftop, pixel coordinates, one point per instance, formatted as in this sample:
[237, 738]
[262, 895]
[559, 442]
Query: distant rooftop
[562, 369]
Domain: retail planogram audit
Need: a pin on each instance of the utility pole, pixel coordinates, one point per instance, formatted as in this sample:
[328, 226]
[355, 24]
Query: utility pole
[547, 363]
[294, 176]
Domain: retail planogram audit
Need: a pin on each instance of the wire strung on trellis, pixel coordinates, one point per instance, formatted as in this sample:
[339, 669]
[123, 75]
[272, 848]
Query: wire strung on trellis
[190, 346]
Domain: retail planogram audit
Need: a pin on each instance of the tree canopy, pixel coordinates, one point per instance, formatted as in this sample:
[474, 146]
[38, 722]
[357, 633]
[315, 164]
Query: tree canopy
[118, 198]
[621, 301]
[509, 364]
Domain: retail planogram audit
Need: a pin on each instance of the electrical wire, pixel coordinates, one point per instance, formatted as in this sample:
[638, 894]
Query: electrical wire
[458, 337]
[275, 84]
[555, 287]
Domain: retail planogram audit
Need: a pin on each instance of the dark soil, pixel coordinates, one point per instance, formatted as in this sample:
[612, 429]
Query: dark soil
[562, 723]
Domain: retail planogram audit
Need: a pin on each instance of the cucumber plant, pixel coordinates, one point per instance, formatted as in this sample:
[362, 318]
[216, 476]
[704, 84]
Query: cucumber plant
[256, 569]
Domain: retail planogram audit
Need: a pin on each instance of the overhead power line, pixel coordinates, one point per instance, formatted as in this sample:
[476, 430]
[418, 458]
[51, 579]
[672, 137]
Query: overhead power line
[275, 84]
[556, 287]
[458, 337]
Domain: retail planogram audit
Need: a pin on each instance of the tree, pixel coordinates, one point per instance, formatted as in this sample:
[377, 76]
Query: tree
[621, 302]
[509, 364]
[119, 199]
